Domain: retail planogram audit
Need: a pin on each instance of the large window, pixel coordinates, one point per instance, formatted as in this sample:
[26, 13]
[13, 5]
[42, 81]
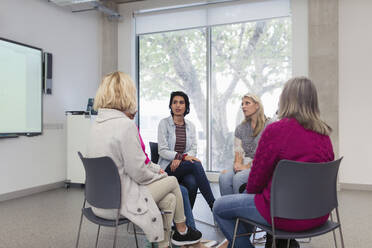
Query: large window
[215, 66]
[169, 62]
[252, 57]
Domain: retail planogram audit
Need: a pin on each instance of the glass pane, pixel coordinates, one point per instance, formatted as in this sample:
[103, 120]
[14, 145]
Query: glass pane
[168, 62]
[252, 57]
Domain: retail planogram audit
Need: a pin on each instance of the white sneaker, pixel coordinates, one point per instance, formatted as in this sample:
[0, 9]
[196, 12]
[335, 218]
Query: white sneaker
[222, 243]
[210, 243]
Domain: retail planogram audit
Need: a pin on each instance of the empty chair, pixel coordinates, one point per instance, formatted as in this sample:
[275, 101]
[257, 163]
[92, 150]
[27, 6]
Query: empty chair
[102, 190]
[302, 190]
[154, 152]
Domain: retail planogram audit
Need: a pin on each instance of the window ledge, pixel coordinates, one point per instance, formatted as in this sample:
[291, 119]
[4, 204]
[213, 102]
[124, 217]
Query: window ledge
[212, 176]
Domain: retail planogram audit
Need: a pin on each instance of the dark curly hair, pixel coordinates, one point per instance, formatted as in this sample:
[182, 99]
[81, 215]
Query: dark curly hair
[185, 97]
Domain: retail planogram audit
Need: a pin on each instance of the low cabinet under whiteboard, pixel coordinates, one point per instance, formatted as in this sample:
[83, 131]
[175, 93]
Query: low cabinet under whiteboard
[78, 127]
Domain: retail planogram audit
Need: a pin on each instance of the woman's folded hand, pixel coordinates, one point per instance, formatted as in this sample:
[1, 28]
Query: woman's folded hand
[175, 164]
[191, 158]
[239, 166]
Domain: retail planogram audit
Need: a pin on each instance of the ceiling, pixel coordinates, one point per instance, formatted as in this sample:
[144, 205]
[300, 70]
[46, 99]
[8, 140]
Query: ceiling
[100, 5]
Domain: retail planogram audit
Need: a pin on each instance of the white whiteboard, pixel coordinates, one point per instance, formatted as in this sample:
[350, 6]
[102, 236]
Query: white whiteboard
[20, 88]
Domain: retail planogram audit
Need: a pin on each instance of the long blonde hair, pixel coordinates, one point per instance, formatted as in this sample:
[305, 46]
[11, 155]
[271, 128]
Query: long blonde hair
[299, 100]
[116, 91]
[261, 118]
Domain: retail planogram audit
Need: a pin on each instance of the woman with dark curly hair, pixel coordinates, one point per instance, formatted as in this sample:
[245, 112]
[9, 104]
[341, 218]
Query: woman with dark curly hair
[178, 147]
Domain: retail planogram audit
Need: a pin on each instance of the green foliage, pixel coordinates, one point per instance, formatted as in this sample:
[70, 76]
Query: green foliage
[252, 57]
[158, 56]
[257, 53]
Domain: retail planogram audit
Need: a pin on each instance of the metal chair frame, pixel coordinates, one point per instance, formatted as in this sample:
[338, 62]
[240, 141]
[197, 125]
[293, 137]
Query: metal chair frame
[284, 202]
[96, 197]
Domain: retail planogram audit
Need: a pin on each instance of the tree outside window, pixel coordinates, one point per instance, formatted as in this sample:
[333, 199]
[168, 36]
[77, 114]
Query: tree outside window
[252, 57]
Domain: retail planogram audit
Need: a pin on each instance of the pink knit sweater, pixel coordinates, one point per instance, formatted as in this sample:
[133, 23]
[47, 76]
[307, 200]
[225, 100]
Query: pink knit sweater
[285, 139]
[147, 160]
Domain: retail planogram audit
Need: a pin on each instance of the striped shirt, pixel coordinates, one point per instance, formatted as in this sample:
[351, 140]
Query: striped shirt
[180, 141]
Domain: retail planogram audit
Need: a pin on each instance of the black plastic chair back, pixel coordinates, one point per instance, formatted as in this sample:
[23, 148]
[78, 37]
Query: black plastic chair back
[303, 190]
[154, 152]
[102, 182]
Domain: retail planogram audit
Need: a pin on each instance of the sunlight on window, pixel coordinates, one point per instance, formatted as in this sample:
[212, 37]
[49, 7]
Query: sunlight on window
[253, 57]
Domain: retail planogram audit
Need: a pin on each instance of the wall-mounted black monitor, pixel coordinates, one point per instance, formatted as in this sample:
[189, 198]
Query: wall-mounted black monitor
[21, 70]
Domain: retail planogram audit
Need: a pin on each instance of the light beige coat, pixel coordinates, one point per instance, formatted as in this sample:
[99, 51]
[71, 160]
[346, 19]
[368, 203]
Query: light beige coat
[114, 135]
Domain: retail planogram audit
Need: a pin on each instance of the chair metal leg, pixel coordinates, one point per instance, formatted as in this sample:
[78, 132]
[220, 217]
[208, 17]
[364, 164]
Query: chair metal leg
[273, 234]
[334, 238]
[274, 242]
[341, 236]
[78, 237]
[235, 231]
[288, 241]
[334, 233]
[115, 236]
[116, 228]
[81, 221]
[130, 232]
[135, 235]
[99, 228]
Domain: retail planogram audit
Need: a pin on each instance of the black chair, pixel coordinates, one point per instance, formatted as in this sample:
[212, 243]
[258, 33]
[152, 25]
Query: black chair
[154, 152]
[102, 190]
[302, 190]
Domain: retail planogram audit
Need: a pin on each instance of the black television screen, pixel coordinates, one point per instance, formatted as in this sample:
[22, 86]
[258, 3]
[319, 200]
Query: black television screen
[21, 68]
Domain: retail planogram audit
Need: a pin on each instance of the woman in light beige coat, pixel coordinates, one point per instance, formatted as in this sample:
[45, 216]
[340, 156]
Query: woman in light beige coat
[145, 188]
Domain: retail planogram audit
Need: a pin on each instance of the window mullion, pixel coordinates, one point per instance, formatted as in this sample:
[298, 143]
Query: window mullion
[209, 101]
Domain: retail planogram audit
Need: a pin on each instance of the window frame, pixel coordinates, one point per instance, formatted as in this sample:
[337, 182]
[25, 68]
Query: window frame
[209, 73]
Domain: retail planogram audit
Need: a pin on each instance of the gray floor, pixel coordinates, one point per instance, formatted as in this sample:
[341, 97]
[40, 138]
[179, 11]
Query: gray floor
[51, 219]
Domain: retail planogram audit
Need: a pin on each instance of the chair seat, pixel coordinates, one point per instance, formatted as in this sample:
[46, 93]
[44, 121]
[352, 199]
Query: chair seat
[88, 213]
[326, 227]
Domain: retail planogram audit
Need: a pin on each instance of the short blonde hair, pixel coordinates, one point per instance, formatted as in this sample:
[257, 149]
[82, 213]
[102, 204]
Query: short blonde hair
[299, 100]
[261, 118]
[116, 91]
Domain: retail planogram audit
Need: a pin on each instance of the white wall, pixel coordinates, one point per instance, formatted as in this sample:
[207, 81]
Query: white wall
[300, 36]
[355, 87]
[74, 39]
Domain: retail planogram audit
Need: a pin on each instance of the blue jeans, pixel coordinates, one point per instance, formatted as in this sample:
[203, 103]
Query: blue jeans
[226, 210]
[197, 171]
[230, 181]
[187, 208]
[189, 182]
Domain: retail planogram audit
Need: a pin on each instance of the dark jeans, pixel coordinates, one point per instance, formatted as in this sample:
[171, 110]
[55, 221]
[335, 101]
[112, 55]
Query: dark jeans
[189, 182]
[183, 173]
